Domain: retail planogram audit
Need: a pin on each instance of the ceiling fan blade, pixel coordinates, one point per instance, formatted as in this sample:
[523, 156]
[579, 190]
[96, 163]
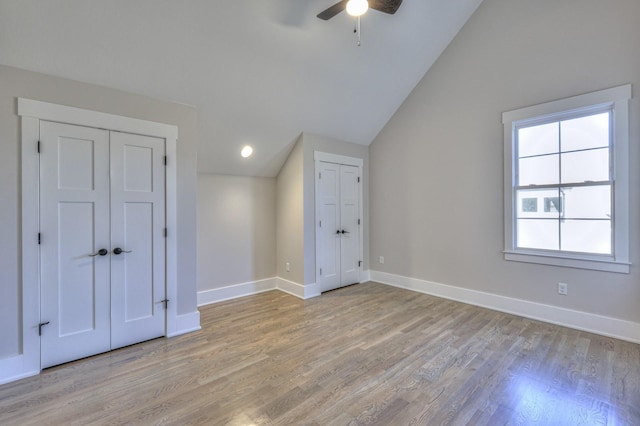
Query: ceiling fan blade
[333, 10]
[386, 6]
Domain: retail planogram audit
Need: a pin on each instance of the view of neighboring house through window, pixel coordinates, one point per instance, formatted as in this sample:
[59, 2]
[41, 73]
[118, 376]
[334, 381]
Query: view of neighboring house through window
[567, 182]
[564, 181]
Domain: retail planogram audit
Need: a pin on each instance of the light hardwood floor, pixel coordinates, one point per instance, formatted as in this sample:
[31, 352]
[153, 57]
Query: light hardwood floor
[365, 354]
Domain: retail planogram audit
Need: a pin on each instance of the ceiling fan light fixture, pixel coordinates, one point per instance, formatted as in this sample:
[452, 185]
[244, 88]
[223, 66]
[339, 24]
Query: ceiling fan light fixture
[357, 7]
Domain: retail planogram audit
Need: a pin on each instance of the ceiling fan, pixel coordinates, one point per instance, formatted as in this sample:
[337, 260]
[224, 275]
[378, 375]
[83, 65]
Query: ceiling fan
[386, 6]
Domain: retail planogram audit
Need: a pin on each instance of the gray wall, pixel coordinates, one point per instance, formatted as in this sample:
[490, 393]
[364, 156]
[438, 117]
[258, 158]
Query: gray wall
[436, 168]
[236, 230]
[18, 83]
[290, 217]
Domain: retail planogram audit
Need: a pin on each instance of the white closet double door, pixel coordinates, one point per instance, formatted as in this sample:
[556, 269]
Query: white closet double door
[102, 249]
[338, 233]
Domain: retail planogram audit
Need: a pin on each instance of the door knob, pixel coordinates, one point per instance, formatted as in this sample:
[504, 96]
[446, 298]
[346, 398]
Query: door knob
[338, 231]
[118, 250]
[345, 232]
[101, 252]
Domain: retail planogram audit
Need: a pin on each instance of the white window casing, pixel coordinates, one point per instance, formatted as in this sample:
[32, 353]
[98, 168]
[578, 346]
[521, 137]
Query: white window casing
[617, 101]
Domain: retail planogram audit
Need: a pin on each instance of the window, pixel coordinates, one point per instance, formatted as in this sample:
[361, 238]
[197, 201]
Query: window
[566, 182]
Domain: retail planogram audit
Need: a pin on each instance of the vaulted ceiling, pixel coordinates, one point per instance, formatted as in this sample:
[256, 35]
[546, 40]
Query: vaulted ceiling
[259, 72]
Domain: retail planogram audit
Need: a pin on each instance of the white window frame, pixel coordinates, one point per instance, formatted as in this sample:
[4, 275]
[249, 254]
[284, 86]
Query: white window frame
[617, 99]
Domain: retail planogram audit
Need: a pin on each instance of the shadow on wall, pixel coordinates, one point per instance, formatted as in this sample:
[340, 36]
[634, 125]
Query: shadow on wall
[278, 158]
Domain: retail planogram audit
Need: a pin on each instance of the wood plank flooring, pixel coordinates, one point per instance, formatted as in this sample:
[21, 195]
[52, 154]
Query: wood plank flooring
[365, 354]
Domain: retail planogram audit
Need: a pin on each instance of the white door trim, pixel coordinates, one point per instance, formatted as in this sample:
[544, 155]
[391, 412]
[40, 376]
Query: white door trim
[31, 112]
[319, 156]
[337, 159]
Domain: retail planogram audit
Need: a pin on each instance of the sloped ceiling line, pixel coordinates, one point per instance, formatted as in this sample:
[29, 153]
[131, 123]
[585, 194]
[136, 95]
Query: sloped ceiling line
[260, 73]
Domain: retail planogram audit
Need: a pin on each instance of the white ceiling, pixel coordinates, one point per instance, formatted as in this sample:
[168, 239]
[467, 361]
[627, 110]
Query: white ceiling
[259, 72]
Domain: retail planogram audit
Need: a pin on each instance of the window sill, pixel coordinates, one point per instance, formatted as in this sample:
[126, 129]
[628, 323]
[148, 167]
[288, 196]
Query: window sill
[569, 262]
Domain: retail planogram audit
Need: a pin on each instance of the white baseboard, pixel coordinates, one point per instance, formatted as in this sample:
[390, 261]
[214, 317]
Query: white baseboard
[186, 323]
[366, 276]
[302, 291]
[216, 295]
[207, 297]
[290, 287]
[13, 368]
[311, 290]
[598, 324]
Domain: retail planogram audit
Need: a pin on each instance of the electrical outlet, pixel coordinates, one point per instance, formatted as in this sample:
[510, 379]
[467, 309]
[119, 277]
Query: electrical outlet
[563, 288]
[287, 267]
[381, 259]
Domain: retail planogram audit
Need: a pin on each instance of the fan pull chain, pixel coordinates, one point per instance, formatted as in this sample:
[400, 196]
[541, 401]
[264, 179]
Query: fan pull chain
[357, 30]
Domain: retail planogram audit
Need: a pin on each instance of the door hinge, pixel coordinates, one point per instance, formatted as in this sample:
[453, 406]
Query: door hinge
[320, 175]
[165, 232]
[320, 271]
[39, 238]
[165, 160]
[38, 147]
[359, 263]
[358, 179]
[320, 224]
[358, 221]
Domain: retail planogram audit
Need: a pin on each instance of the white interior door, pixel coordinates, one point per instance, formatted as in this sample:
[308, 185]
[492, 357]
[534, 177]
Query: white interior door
[74, 224]
[350, 231]
[137, 226]
[328, 208]
[338, 228]
[102, 219]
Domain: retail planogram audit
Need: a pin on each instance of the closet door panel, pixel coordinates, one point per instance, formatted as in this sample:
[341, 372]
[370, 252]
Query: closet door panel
[74, 227]
[349, 211]
[137, 238]
[328, 244]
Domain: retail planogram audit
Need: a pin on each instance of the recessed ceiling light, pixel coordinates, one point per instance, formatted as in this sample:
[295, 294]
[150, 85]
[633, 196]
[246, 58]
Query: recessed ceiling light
[247, 150]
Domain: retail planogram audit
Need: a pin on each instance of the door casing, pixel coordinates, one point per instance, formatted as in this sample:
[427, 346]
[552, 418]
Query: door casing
[31, 112]
[349, 161]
